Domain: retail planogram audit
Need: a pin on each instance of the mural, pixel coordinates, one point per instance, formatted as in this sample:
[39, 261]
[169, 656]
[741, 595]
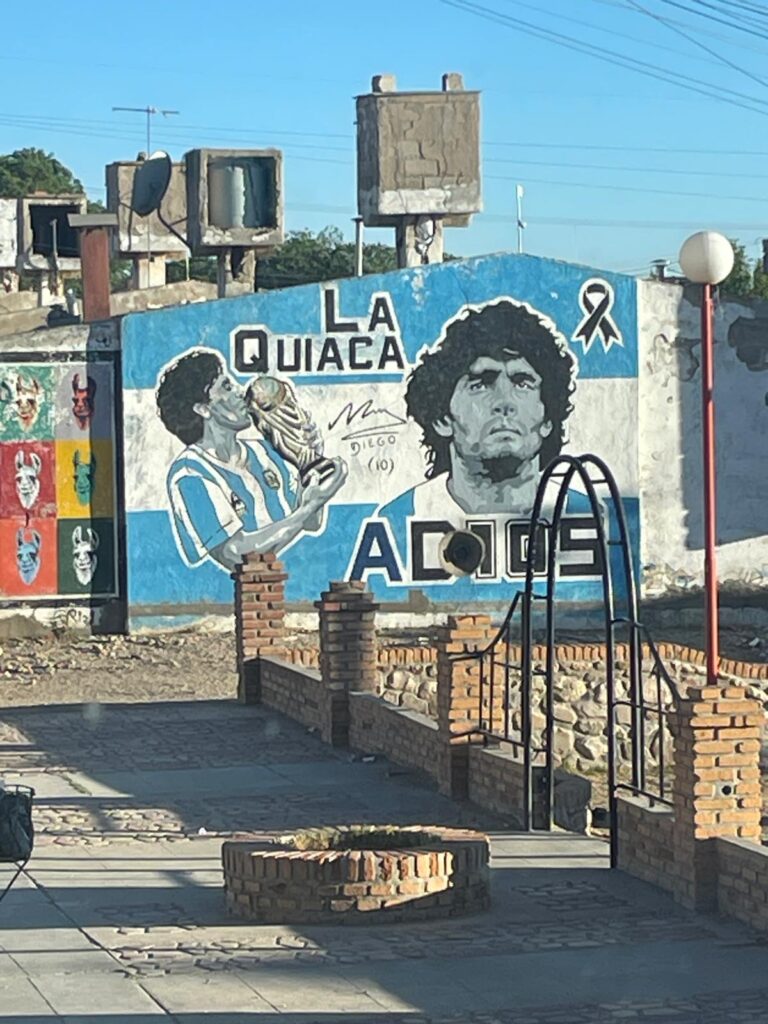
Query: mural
[57, 503]
[348, 426]
[230, 497]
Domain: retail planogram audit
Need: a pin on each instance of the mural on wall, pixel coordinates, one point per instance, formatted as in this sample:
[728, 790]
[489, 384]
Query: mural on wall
[491, 399]
[229, 497]
[349, 426]
[57, 502]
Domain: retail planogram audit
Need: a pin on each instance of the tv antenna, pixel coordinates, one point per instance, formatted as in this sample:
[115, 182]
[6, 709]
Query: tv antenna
[150, 112]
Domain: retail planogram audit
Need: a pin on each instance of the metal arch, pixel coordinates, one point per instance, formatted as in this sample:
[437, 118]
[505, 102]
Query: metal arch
[593, 473]
[568, 467]
[635, 652]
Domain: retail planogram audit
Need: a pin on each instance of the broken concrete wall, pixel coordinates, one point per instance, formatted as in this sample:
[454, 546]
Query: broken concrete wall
[670, 436]
[418, 153]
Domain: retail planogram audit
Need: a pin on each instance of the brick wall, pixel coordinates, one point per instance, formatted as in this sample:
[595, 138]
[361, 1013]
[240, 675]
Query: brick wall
[259, 619]
[297, 692]
[646, 841]
[716, 787]
[347, 614]
[496, 781]
[404, 737]
[742, 881]
[458, 698]
[716, 800]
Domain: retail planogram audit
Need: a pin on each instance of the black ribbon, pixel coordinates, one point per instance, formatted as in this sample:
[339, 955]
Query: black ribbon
[596, 300]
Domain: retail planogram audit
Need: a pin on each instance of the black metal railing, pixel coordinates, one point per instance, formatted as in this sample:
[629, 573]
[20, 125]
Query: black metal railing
[510, 685]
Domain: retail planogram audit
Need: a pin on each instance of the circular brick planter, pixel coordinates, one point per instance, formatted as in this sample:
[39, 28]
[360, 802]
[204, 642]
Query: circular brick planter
[274, 883]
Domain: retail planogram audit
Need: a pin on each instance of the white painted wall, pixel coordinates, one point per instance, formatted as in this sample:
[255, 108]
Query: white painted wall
[670, 445]
[8, 234]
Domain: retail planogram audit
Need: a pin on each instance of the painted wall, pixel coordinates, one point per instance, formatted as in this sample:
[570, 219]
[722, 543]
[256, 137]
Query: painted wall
[481, 359]
[58, 479]
[670, 440]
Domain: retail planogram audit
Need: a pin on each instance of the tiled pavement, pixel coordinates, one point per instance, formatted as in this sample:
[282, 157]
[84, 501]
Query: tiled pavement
[122, 918]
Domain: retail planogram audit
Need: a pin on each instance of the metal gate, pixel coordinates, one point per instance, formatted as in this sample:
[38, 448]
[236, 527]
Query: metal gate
[507, 704]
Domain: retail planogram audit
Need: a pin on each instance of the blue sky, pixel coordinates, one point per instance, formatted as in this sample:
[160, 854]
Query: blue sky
[256, 74]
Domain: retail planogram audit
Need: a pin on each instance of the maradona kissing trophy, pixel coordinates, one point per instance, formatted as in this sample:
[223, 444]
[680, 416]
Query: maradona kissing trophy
[289, 429]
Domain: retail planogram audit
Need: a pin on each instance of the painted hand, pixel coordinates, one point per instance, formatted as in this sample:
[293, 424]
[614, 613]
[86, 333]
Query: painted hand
[321, 485]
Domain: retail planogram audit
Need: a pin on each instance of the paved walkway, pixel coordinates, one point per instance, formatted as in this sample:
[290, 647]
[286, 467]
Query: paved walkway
[122, 918]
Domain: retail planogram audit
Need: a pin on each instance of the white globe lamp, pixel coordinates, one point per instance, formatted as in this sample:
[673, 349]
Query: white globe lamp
[707, 257]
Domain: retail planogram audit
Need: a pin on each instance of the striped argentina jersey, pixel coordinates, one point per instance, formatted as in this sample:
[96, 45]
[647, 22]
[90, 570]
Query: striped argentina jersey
[211, 500]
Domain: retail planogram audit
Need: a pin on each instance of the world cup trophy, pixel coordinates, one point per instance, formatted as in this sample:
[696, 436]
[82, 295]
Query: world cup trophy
[288, 427]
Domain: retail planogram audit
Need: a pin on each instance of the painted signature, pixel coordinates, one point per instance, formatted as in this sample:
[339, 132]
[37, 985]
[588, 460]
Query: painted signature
[356, 415]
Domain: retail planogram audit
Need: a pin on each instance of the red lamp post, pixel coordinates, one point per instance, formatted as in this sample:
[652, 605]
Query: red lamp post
[707, 259]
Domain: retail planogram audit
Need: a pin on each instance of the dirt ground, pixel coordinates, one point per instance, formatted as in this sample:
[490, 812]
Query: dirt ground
[190, 665]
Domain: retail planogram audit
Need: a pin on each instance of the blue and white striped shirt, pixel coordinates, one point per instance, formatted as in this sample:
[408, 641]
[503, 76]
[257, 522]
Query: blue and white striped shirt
[212, 500]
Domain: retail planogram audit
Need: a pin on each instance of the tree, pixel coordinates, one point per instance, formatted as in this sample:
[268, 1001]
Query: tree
[304, 257]
[760, 281]
[740, 279]
[33, 170]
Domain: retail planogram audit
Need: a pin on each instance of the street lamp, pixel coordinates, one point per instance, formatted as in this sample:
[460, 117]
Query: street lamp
[707, 259]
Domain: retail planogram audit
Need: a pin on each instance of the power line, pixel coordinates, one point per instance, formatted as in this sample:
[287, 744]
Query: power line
[600, 28]
[711, 17]
[49, 123]
[629, 188]
[612, 167]
[721, 94]
[601, 222]
[743, 12]
[131, 134]
[702, 46]
[631, 149]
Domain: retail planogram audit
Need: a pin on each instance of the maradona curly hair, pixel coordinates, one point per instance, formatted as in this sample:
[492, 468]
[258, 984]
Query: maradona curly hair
[495, 330]
[185, 383]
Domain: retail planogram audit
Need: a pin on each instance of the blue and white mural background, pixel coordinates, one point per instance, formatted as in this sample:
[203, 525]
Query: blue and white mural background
[515, 358]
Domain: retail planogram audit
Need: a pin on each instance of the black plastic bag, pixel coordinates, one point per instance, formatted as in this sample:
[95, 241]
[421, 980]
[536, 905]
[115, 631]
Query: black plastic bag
[17, 833]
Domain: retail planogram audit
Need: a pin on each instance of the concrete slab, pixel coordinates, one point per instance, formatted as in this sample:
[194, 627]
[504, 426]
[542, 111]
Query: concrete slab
[18, 995]
[215, 993]
[563, 930]
[43, 940]
[317, 992]
[87, 960]
[609, 973]
[95, 994]
[180, 782]
[46, 785]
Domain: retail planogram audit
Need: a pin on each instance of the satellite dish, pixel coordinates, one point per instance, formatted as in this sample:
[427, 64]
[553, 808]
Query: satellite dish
[150, 183]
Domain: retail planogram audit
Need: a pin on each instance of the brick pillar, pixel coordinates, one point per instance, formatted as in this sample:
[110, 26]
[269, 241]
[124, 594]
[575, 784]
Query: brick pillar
[259, 615]
[716, 732]
[347, 653]
[458, 697]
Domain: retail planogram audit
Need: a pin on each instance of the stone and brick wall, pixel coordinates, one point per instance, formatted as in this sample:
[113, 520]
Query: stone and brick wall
[716, 789]
[706, 849]
[404, 737]
[646, 840]
[717, 733]
[742, 881]
[407, 677]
